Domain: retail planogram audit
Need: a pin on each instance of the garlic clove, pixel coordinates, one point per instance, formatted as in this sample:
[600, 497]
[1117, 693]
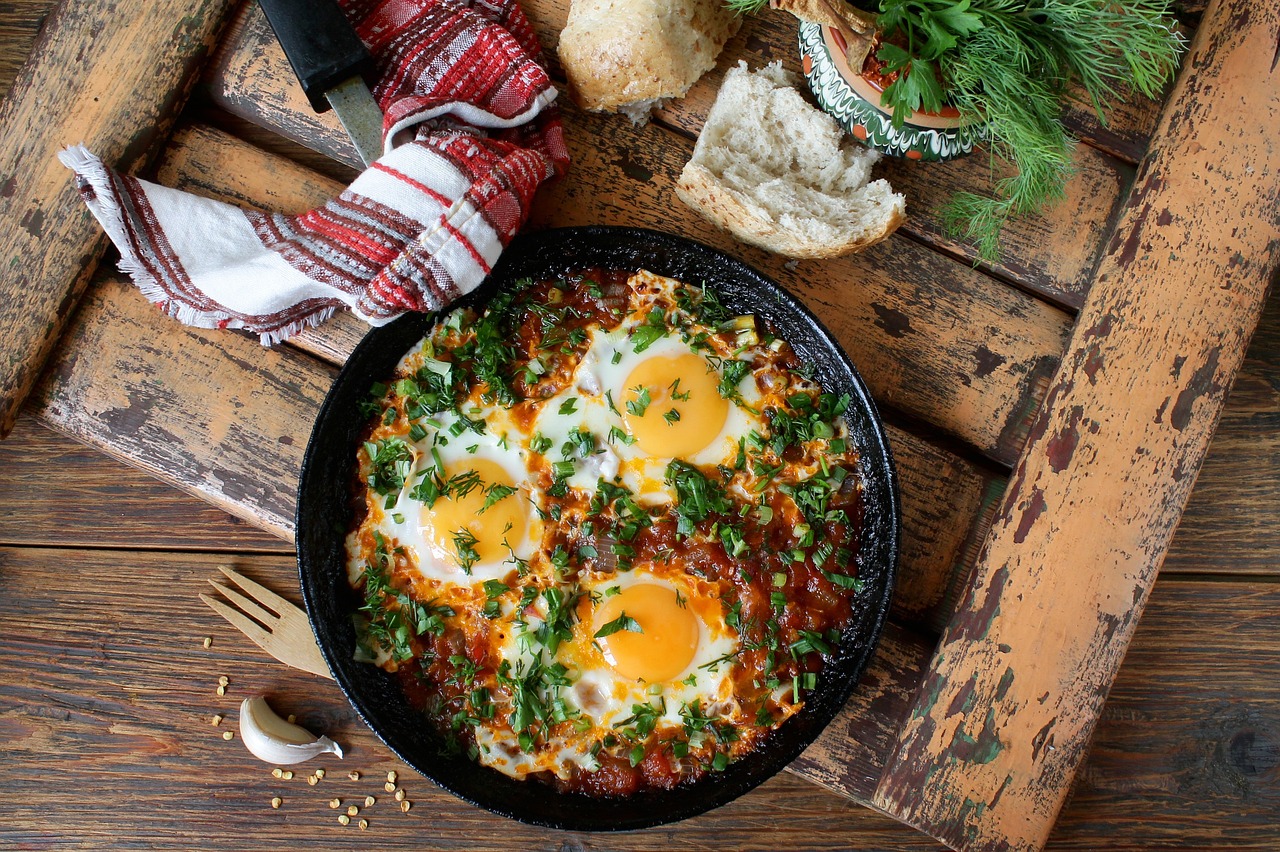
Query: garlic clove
[272, 739]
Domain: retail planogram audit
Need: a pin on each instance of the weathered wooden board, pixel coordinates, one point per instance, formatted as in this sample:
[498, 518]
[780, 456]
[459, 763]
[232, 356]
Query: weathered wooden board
[1051, 253]
[131, 691]
[209, 412]
[56, 492]
[1002, 718]
[114, 78]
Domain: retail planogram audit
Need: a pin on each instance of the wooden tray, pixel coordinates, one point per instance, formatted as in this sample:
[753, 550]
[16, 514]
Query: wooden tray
[1048, 415]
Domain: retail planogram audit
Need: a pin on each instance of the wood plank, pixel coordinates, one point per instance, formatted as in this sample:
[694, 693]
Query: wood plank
[1188, 744]
[211, 412]
[129, 698]
[1229, 526]
[20, 23]
[113, 78]
[236, 439]
[58, 492]
[1042, 628]
[1052, 253]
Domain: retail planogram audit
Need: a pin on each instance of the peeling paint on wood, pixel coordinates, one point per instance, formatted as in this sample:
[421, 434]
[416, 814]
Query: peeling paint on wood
[1095, 499]
[113, 77]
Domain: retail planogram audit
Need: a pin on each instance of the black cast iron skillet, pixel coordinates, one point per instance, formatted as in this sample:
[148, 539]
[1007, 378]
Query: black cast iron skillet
[323, 518]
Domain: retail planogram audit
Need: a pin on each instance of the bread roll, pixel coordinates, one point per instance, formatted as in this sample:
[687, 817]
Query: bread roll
[783, 175]
[630, 55]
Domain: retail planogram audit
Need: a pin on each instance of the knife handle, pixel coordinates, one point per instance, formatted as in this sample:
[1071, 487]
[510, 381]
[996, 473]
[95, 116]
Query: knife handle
[321, 45]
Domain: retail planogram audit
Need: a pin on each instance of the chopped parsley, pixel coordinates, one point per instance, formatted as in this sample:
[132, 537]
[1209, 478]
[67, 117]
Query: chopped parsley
[622, 622]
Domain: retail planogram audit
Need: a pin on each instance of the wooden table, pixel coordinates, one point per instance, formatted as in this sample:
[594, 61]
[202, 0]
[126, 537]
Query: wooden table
[107, 691]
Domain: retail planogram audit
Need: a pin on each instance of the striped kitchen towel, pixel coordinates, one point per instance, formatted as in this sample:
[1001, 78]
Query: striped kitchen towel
[470, 131]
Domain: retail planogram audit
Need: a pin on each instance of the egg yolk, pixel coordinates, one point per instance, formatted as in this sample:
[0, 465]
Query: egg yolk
[668, 635]
[673, 405]
[462, 532]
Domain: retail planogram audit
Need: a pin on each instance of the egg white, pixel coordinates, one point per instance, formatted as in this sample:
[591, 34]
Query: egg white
[598, 380]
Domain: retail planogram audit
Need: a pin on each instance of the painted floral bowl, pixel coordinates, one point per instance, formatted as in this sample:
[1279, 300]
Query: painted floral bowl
[854, 100]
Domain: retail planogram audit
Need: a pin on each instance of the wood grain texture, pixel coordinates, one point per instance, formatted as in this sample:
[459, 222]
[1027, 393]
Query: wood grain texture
[1052, 253]
[941, 341]
[1229, 524]
[114, 682]
[57, 492]
[1003, 716]
[1192, 724]
[113, 78]
[213, 413]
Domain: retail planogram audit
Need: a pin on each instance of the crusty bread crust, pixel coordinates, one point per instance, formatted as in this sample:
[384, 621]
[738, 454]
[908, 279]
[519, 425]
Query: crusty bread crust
[721, 206]
[616, 53]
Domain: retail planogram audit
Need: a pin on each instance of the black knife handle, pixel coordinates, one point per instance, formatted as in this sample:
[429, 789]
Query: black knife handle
[321, 45]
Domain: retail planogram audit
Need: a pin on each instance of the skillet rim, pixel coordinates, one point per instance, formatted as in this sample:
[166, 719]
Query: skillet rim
[372, 693]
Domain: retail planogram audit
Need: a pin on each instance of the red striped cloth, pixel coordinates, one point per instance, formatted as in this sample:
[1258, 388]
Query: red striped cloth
[470, 132]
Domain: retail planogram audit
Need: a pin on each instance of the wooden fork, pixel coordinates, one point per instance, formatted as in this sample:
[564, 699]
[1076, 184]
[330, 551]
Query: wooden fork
[271, 622]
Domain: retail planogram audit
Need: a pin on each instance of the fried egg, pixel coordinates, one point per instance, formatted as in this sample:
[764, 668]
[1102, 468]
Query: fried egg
[644, 409]
[485, 520]
[673, 657]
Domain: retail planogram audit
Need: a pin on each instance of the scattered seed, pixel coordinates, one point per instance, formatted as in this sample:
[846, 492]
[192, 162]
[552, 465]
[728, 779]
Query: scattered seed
[222, 690]
[353, 775]
[226, 735]
[319, 773]
[391, 776]
[364, 823]
[399, 795]
[368, 801]
[335, 803]
[277, 772]
[216, 719]
[208, 641]
[389, 787]
[311, 780]
[287, 775]
[224, 681]
[275, 803]
[344, 819]
[405, 805]
[292, 718]
[352, 810]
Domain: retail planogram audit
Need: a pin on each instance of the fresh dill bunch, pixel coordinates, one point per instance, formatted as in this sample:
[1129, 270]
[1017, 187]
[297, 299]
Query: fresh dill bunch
[1007, 65]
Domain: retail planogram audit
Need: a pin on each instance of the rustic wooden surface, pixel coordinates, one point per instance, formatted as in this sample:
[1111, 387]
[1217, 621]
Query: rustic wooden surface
[114, 80]
[1002, 719]
[1187, 759]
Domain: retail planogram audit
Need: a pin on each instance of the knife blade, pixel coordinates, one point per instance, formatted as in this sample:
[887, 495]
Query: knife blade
[332, 64]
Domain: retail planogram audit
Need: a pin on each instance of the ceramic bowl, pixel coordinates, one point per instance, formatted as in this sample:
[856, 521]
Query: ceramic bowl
[854, 101]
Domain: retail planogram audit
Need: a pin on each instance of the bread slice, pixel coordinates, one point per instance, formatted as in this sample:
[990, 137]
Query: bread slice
[630, 55]
[781, 174]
